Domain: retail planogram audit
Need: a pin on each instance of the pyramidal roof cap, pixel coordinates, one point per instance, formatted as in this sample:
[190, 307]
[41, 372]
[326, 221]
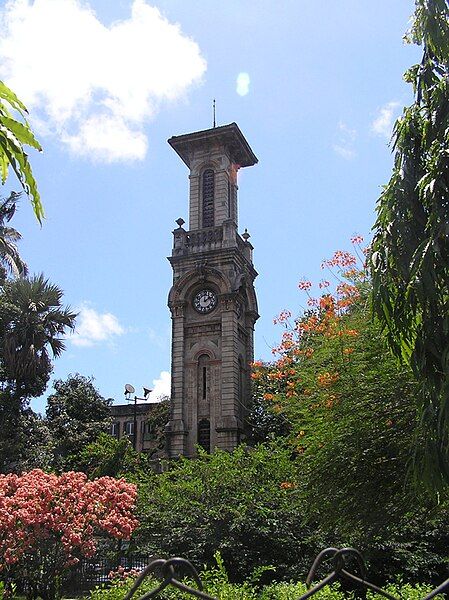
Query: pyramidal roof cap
[228, 135]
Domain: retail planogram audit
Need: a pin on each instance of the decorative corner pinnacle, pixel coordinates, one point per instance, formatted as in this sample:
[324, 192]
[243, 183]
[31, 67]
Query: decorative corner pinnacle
[246, 235]
[180, 222]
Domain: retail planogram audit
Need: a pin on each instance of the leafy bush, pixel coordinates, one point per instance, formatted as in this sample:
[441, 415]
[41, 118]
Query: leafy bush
[349, 410]
[216, 584]
[244, 504]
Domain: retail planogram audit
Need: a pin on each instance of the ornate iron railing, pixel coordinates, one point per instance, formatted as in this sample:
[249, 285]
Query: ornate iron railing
[341, 560]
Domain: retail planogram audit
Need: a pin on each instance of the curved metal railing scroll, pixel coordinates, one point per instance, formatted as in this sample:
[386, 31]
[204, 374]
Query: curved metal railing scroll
[341, 559]
[167, 569]
[340, 572]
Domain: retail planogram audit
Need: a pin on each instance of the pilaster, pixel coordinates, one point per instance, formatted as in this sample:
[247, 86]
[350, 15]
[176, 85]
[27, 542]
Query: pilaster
[176, 429]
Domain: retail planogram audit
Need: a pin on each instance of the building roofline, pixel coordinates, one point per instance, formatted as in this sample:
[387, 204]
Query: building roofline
[229, 135]
[128, 409]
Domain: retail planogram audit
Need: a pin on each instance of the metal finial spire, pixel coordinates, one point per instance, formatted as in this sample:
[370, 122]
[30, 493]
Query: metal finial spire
[214, 113]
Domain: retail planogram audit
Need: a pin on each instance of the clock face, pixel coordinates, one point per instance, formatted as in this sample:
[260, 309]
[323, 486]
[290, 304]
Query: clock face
[205, 301]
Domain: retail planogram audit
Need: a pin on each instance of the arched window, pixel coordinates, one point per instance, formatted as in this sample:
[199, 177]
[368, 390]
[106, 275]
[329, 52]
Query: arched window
[204, 434]
[203, 377]
[208, 197]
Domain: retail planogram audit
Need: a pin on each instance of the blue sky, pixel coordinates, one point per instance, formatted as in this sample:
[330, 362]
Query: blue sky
[315, 87]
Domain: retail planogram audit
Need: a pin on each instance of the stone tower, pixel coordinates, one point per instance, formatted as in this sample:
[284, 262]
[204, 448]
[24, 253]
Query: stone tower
[212, 301]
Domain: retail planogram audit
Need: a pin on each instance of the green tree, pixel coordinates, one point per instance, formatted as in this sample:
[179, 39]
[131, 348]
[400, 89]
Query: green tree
[156, 422]
[32, 443]
[33, 323]
[76, 414]
[244, 504]
[108, 456]
[14, 135]
[10, 260]
[410, 259]
[352, 415]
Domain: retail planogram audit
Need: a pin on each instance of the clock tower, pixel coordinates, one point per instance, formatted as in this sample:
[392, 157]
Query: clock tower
[212, 301]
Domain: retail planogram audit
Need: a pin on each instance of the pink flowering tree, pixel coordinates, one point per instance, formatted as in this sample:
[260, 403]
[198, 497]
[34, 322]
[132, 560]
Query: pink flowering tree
[49, 522]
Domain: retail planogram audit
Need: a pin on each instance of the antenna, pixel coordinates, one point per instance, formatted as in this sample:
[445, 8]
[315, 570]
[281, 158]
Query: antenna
[214, 113]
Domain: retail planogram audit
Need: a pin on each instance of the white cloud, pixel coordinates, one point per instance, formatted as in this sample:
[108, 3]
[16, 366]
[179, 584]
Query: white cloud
[242, 84]
[161, 340]
[344, 152]
[161, 387]
[93, 328]
[344, 146]
[383, 123]
[107, 136]
[94, 86]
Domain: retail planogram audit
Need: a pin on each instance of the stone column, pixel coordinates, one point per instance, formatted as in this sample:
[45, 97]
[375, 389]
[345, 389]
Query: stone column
[228, 425]
[176, 429]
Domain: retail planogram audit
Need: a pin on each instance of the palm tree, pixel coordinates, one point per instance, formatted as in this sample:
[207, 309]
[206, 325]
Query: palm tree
[34, 326]
[10, 261]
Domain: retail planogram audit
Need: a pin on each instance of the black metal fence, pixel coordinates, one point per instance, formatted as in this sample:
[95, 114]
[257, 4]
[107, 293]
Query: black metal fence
[92, 572]
[345, 565]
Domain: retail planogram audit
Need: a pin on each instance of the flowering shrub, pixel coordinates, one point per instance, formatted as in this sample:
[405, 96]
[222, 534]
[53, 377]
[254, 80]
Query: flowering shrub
[348, 411]
[48, 522]
[324, 320]
[121, 575]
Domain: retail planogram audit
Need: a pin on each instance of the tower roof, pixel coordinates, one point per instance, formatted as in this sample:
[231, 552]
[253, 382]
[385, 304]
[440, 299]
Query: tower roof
[229, 136]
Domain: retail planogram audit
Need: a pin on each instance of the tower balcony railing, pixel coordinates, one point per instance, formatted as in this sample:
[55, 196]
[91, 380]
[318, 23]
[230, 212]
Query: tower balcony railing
[210, 238]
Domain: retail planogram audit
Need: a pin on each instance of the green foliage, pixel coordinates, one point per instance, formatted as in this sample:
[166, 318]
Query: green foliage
[216, 584]
[10, 260]
[354, 436]
[14, 135]
[33, 443]
[410, 258]
[109, 457]
[352, 416]
[264, 423]
[32, 325]
[156, 422]
[76, 414]
[243, 504]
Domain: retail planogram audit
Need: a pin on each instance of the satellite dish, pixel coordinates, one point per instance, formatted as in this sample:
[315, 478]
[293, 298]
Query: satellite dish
[129, 389]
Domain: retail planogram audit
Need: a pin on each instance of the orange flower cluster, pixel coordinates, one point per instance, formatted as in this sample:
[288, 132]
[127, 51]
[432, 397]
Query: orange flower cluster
[327, 379]
[256, 364]
[307, 352]
[276, 375]
[357, 239]
[341, 258]
[287, 485]
[283, 383]
[305, 285]
[282, 317]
